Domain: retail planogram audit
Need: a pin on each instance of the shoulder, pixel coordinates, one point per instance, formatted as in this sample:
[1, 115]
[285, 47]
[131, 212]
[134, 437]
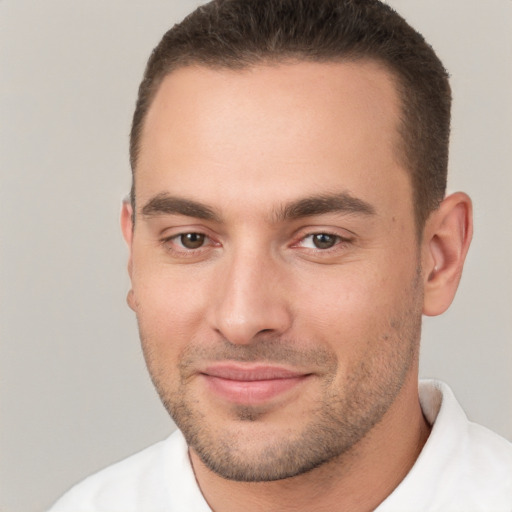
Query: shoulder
[140, 482]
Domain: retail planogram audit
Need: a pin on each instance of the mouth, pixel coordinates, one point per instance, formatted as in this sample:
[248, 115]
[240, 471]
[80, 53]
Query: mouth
[251, 384]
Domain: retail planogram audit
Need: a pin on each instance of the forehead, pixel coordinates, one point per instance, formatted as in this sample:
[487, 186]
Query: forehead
[283, 128]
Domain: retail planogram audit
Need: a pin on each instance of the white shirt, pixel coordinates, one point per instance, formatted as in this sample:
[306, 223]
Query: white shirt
[463, 467]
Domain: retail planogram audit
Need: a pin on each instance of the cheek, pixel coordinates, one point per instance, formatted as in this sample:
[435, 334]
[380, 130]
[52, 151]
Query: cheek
[340, 298]
[352, 309]
[169, 309]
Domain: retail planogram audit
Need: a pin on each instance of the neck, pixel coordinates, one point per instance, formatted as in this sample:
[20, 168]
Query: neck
[357, 481]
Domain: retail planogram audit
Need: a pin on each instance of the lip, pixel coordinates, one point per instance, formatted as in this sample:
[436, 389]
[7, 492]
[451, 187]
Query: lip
[251, 384]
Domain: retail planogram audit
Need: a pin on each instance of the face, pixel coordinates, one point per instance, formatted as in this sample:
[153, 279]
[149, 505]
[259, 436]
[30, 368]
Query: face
[274, 262]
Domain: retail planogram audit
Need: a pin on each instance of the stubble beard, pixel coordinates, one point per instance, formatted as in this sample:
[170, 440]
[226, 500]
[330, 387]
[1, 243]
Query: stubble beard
[336, 424]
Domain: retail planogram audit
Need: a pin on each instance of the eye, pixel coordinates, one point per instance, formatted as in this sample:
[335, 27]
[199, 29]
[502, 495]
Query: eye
[190, 240]
[320, 241]
[189, 245]
[323, 240]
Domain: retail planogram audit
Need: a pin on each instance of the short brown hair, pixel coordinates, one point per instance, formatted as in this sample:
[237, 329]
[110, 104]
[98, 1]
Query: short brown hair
[237, 34]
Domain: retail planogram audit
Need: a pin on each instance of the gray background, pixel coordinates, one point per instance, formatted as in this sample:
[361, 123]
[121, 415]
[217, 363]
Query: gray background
[74, 391]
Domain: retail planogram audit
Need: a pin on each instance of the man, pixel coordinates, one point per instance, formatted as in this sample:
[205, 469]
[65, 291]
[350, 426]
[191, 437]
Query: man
[288, 227]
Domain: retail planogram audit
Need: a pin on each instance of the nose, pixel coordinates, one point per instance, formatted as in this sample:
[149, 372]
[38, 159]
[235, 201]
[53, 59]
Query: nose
[250, 299]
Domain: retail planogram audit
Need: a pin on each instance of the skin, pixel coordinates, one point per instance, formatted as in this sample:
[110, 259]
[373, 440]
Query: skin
[229, 158]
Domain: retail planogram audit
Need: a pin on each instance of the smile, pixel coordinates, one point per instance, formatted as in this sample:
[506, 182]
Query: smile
[251, 385]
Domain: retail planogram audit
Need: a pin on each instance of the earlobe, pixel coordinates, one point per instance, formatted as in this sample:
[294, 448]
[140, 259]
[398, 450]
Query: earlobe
[446, 240]
[130, 300]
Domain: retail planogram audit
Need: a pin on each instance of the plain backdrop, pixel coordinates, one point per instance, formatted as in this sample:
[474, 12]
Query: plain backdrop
[74, 393]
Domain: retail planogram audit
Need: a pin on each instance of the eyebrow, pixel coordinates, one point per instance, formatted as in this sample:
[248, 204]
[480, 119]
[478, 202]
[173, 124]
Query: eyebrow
[344, 203]
[164, 204]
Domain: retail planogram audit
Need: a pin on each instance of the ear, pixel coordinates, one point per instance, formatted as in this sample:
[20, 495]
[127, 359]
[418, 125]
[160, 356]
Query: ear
[446, 240]
[127, 229]
[127, 223]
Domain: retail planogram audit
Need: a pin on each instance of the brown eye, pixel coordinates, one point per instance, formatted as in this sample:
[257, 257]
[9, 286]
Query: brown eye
[192, 240]
[324, 241]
